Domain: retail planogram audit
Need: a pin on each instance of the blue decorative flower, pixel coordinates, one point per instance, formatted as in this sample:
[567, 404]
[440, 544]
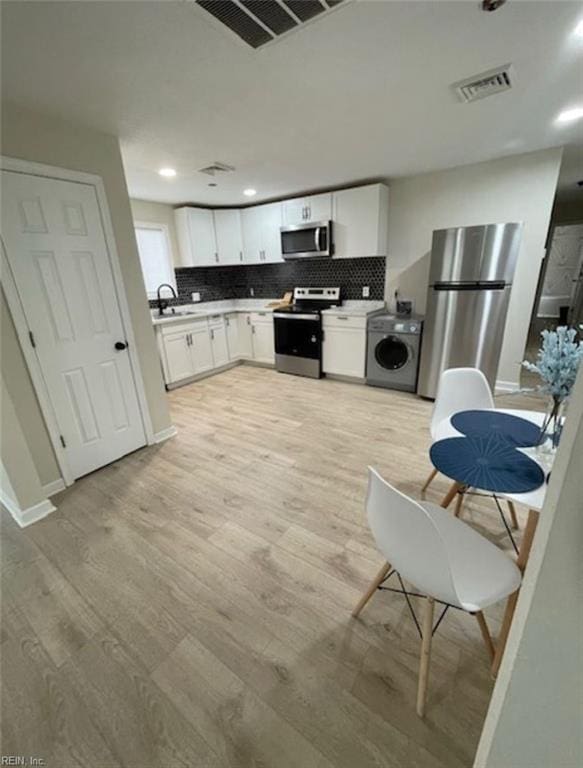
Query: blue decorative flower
[557, 361]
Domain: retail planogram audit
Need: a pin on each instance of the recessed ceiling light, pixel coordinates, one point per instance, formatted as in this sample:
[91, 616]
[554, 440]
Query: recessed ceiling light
[168, 172]
[568, 115]
[249, 192]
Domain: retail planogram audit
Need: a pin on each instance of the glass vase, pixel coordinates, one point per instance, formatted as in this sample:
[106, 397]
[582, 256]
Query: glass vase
[552, 426]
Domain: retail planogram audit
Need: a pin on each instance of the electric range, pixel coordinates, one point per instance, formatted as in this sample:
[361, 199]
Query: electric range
[298, 331]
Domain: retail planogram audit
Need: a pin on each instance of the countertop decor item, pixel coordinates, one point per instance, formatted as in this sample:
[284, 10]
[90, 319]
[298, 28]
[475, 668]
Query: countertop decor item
[557, 363]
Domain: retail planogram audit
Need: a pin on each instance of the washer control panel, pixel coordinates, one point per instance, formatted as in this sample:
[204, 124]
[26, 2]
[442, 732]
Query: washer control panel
[393, 324]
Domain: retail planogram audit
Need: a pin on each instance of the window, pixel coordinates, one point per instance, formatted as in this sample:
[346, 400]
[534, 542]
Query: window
[155, 257]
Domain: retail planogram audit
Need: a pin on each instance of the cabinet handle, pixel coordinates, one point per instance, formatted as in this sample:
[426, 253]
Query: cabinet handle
[240, 255]
[212, 335]
[341, 317]
[227, 321]
[252, 329]
[188, 340]
[217, 257]
[248, 320]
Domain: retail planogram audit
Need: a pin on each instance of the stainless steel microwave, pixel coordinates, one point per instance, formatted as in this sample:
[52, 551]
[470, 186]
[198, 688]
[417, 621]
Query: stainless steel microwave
[305, 241]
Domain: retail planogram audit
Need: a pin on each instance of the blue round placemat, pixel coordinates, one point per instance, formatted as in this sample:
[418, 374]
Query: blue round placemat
[518, 432]
[488, 463]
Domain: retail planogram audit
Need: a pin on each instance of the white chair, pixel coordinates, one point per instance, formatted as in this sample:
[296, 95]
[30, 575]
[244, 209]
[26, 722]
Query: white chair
[460, 389]
[445, 559]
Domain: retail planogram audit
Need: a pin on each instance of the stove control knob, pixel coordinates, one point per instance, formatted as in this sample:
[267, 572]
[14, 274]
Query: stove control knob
[314, 339]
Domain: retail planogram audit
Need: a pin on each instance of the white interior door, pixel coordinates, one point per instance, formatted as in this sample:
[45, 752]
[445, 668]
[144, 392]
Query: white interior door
[55, 245]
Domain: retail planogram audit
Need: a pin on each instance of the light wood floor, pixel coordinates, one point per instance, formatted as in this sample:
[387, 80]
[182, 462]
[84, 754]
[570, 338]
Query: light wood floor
[190, 604]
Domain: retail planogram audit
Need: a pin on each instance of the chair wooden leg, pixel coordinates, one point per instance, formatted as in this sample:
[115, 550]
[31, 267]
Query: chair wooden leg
[487, 637]
[513, 517]
[458, 504]
[428, 482]
[454, 489]
[425, 656]
[374, 585]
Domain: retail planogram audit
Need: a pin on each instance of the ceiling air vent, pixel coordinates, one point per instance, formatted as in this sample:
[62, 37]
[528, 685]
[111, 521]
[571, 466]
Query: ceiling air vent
[485, 84]
[258, 22]
[216, 167]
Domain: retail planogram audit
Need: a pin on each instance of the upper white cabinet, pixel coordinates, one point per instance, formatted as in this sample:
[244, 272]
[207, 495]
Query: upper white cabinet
[252, 235]
[195, 228]
[261, 233]
[209, 238]
[303, 210]
[360, 221]
[229, 235]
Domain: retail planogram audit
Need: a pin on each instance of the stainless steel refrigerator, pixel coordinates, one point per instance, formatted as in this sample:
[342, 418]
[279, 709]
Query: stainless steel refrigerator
[470, 279]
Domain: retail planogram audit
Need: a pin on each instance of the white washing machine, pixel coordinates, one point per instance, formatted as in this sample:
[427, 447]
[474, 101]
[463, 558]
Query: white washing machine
[393, 348]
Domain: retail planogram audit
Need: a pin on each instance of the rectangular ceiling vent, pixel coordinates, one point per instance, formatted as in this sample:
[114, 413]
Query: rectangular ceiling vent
[485, 84]
[216, 167]
[258, 22]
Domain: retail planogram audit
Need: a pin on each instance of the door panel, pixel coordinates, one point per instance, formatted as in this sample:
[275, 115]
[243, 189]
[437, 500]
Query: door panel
[178, 356]
[56, 248]
[245, 336]
[219, 345]
[462, 329]
[202, 351]
[229, 237]
[263, 346]
[271, 231]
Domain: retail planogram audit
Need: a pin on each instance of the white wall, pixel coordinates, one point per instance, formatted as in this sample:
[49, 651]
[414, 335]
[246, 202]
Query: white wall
[158, 213]
[517, 188]
[535, 719]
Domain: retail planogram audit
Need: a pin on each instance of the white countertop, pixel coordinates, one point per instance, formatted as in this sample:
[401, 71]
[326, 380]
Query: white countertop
[207, 308]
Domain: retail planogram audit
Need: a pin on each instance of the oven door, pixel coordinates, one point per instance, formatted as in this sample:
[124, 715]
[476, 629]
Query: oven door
[304, 241]
[298, 343]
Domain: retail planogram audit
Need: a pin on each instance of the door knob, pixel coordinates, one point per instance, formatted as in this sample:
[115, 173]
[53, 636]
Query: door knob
[119, 345]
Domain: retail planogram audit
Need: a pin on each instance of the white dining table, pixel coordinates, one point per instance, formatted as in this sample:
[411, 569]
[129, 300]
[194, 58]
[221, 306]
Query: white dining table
[533, 501]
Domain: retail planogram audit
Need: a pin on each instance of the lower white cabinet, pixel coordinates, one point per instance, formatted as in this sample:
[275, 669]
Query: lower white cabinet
[179, 362]
[201, 349]
[220, 348]
[263, 337]
[344, 347]
[245, 335]
[232, 332]
[191, 347]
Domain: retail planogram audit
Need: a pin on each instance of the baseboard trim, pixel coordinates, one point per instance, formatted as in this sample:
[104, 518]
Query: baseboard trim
[50, 489]
[165, 434]
[25, 517]
[506, 387]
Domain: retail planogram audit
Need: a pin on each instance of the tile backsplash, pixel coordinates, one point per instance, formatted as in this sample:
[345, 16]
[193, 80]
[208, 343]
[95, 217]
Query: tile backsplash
[272, 280]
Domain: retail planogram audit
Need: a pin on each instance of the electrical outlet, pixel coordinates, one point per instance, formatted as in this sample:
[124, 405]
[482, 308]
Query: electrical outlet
[251, 291]
[195, 296]
[365, 291]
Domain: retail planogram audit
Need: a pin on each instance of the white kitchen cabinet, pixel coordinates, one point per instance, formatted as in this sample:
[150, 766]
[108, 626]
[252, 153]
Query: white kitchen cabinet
[195, 228]
[218, 336]
[263, 337]
[360, 217]
[245, 334]
[271, 232]
[201, 349]
[344, 346]
[229, 236]
[232, 331]
[303, 210]
[179, 361]
[261, 233]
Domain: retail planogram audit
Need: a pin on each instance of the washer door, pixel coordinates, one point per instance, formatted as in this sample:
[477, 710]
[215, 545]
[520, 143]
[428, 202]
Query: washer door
[392, 354]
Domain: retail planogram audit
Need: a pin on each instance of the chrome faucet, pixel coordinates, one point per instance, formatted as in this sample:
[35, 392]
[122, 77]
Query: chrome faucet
[162, 305]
